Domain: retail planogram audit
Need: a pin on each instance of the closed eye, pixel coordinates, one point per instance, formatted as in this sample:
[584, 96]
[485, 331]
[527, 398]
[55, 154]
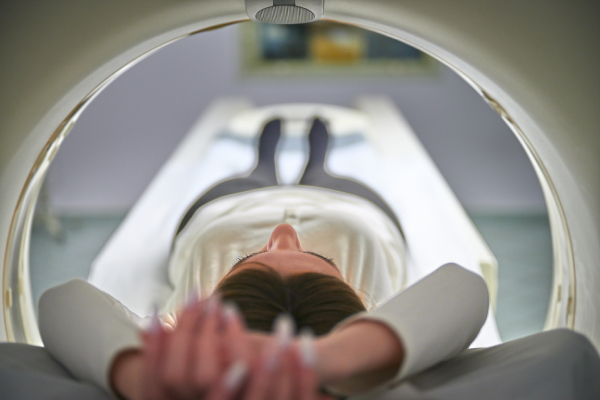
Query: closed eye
[241, 259]
[329, 260]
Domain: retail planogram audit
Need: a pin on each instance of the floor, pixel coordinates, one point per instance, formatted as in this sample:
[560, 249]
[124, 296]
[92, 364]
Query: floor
[521, 244]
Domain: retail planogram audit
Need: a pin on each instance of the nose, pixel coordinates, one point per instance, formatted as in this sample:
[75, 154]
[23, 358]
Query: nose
[284, 238]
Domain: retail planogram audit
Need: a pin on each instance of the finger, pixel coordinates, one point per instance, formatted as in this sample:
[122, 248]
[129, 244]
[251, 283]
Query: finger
[283, 380]
[306, 361]
[236, 341]
[230, 384]
[153, 340]
[178, 357]
[261, 377]
[307, 382]
[207, 362]
[281, 388]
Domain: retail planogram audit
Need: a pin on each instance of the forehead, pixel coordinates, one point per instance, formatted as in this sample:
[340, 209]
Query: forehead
[288, 263]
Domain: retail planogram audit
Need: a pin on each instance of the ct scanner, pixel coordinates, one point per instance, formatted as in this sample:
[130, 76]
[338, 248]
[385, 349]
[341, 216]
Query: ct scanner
[535, 62]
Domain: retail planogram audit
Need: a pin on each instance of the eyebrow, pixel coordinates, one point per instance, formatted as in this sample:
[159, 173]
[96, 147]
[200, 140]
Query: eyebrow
[246, 257]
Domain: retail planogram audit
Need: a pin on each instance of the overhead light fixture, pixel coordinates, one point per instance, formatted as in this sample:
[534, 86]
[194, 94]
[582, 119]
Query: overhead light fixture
[284, 11]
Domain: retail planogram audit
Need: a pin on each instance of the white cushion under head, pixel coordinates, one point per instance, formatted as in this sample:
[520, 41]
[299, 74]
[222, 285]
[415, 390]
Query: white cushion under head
[297, 119]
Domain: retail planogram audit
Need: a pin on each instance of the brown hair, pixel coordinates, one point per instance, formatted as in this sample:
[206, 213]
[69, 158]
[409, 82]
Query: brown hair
[313, 300]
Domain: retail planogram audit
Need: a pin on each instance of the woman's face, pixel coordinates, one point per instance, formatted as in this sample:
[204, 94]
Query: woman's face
[284, 253]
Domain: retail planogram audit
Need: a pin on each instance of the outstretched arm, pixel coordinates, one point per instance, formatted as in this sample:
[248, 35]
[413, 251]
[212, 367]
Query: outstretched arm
[85, 329]
[431, 321]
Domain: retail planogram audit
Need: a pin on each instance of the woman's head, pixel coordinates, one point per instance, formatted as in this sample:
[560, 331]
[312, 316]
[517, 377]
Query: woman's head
[284, 277]
[314, 300]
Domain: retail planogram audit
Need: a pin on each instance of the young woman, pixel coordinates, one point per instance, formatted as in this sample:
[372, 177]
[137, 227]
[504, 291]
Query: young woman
[225, 347]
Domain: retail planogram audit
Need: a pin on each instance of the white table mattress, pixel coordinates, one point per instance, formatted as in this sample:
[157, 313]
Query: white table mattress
[132, 266]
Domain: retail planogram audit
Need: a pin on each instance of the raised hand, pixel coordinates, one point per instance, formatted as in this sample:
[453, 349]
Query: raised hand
[210, 355]
[185, 363]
